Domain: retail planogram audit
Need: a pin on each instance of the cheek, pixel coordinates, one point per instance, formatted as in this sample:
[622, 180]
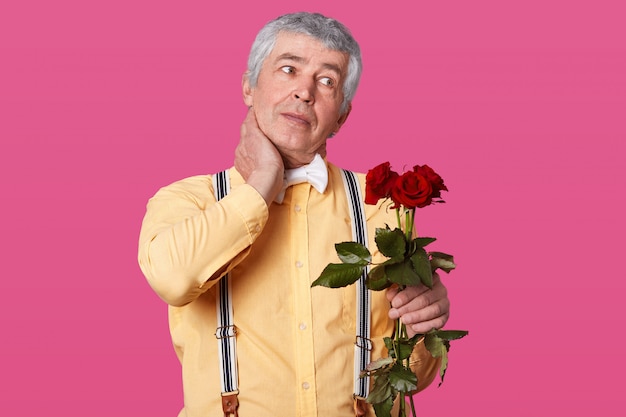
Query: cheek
[329, 120]
[262, 119]
[262, 107]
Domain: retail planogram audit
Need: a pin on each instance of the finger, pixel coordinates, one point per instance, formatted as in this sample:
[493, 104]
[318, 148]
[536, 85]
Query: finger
[418, 298]
[429, 312]
[249, 128]
[401, 298]
[392, 292]
[426, 326]
[252, 146]
[407, 303]
[424, 299]
[250, 117]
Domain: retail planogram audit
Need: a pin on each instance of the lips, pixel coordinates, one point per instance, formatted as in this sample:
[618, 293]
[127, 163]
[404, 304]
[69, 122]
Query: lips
[297, 118]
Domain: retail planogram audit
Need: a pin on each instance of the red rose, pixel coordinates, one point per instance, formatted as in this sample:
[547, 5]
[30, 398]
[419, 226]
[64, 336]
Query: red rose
[378, 183]
[412, 190]
[435, 180]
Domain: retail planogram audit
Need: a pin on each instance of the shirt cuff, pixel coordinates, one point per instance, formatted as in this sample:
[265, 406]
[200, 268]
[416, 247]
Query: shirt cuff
[250, 208]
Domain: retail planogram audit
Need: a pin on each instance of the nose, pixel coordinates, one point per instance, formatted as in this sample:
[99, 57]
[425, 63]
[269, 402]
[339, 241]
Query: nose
[304, 92]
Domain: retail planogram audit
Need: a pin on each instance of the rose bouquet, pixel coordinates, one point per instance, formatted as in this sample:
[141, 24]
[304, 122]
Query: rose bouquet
[408, 264]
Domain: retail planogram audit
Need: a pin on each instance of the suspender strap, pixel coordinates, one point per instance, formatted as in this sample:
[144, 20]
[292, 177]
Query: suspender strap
[226, 330]
[363, 344]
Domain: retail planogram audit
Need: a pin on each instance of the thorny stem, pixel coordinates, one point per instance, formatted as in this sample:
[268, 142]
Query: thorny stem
[398, 218]
[410, 220]
[407, 222]
[401, 332]
[412, 405]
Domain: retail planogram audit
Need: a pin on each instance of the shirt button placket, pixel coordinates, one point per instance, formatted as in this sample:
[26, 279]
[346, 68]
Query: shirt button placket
[305, 366]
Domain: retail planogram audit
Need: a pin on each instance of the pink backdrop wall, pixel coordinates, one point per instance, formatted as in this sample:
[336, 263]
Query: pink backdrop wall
[519, 105]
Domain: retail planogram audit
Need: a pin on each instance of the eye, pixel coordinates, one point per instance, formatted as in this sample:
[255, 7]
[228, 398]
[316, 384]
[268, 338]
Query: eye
[327, 81]
[287, 69]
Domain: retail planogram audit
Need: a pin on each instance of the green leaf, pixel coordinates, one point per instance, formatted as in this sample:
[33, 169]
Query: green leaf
[442, 261]
[406, 349]
[450, 334]
[402, 379]
[353, 253]
[402, 273]
[379, 363]
[434, 344]
[394, 260]
[383, 409]
[388, 341]
[389, 345]
[381, 390]
[339, 275]
[376, 279]
[421, 264]
[444, 362]
[407, 346]
[391, 243]
[441, 255]
[423, 241]
[439, 347]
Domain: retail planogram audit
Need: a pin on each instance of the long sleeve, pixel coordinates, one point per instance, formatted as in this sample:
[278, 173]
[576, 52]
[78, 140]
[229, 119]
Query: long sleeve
[188, 240]
[295, 344]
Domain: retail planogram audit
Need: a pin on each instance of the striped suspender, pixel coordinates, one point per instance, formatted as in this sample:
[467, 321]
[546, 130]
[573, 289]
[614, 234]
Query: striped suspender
[363, 343]
[225, 333]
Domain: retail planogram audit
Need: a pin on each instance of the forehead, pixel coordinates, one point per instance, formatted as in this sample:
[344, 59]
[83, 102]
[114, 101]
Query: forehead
[304, 48]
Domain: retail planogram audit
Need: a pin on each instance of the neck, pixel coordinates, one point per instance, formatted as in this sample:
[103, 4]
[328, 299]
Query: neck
[297, 161]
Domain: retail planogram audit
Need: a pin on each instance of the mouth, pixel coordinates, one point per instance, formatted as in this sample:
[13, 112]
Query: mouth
[297, 118]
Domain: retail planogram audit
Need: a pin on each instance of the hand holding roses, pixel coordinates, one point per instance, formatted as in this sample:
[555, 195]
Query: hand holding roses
[419, 301]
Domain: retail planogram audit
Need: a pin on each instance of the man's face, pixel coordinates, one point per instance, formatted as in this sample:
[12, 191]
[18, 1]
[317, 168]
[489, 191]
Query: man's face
[298, 96]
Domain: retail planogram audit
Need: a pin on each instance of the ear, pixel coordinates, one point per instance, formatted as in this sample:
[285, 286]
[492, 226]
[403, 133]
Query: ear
[247, 90]
[343, 118]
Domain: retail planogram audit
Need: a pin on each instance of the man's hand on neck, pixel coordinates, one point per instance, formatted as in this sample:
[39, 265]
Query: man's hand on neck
[258, 160]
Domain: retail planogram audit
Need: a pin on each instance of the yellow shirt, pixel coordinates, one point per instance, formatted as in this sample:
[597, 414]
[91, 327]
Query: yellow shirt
[295, 344]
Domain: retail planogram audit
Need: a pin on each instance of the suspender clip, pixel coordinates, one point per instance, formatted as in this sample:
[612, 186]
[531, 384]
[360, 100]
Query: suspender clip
[223, 332]
[230, 404]
[360, 405]
[363, 343]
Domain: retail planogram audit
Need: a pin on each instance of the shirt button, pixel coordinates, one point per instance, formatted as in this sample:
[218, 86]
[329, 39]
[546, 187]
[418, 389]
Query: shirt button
[257, 228]
[298, 264]
[302, 326]
[305, 385]
[297, 208]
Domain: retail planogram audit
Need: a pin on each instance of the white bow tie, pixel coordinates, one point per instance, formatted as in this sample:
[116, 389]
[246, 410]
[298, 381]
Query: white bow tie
[314, 173]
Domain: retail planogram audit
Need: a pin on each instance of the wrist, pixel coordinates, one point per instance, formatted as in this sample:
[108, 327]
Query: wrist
[266, 183]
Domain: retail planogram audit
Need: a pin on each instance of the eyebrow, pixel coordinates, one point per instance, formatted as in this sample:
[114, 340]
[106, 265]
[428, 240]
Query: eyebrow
[298, 59]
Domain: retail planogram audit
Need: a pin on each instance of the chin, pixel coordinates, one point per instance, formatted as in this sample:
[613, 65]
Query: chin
[292, 143]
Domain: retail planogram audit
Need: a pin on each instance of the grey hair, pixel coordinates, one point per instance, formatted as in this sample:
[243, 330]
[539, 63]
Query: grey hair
[330, 32]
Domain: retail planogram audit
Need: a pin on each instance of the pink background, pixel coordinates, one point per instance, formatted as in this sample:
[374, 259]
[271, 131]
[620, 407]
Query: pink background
[519, 105]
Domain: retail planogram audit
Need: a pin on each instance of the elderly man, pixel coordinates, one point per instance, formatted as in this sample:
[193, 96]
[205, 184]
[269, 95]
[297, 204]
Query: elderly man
[268, 239]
